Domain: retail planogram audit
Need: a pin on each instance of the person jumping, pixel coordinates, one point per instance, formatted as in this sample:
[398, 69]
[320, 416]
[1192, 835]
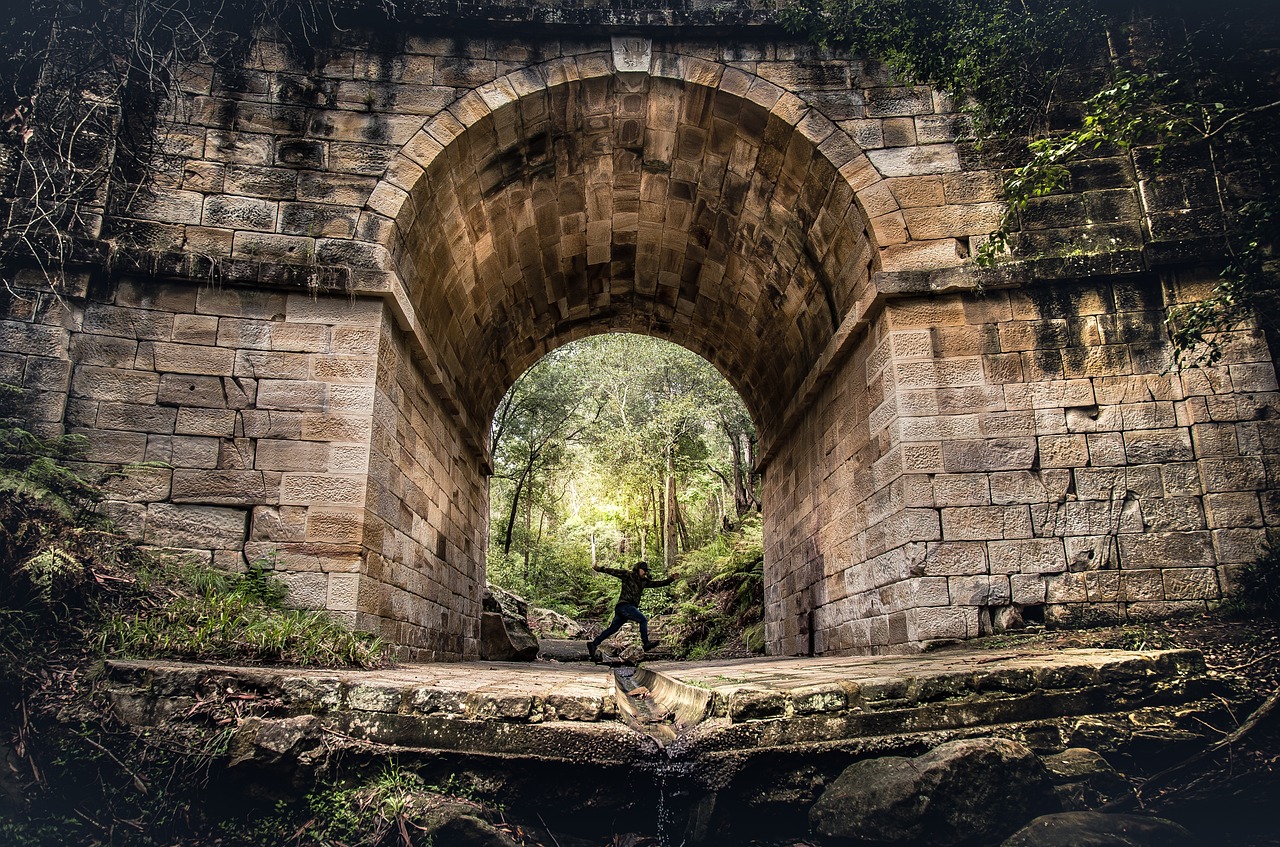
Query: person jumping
[634, 582]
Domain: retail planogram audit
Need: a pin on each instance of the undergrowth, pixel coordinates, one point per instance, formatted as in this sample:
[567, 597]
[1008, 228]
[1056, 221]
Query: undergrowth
[202, 614]
[720, 599]
[74, 592]
[1257, 591]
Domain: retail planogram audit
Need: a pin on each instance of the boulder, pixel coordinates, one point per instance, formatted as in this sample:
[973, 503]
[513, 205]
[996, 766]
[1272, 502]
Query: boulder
[970, 791]
[563, 650]
[1084, 780]
[504, 628]
[547, 623]
[501, 641]
[470, 831]
[1096, 829]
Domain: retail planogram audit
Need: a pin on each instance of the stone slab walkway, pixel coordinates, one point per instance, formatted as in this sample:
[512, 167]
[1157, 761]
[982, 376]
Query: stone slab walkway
[734, 705]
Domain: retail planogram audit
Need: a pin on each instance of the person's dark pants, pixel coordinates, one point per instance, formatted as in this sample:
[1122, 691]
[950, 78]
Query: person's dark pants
[622, 613]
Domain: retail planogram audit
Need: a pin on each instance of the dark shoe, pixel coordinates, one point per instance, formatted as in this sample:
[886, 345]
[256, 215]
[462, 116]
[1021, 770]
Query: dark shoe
[652, 645]
[592, 651]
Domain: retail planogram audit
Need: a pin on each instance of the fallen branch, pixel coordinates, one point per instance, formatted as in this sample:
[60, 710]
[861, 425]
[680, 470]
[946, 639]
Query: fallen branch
[1168, 775]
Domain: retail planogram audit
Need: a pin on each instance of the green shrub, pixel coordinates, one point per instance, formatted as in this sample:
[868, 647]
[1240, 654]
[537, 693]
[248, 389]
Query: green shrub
[721, 595]
[1258, 587]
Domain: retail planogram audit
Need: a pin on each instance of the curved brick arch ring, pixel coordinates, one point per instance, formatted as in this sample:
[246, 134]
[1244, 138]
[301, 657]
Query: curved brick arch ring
[808, 209]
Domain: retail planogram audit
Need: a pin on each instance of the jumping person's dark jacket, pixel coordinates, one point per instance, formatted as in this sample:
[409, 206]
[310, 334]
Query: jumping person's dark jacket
[633, 585]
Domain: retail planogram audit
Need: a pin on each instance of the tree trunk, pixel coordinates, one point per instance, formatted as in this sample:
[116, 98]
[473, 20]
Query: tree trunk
[669, 512]
[528, 528]
[511, 516]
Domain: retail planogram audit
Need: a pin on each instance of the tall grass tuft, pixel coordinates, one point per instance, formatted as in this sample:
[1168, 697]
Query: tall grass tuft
[207, 615]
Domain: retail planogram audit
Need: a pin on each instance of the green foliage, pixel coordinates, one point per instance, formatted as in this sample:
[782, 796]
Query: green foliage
[207, 615]
[1180, 76]
[397, 807]
[1008, 55]
[588, 445]
[721, 596]
[1257, 590]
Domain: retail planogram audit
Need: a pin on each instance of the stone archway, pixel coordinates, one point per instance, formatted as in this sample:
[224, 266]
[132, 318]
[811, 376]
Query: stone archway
[694, 203]
[396, 229]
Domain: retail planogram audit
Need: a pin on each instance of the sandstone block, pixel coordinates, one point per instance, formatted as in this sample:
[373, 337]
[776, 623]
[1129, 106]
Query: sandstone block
[279, 524]
[126, 386]
[305, 590]
[1230, 510]
[1239, 545]
[1106, 449]
[988, 454]
[1158, 445]
[294, 395]
[1063, 451]
[1173, 513]
[344, 588]
[272, 364]
[1166, 549]
[197, 527]
[1044, 486]
[1245, 473]
[168, 205]
[195, 329]
[105, 350]
[189, 358]
[1090, 552]
[951, 558]
[237, 213]
[933, 623]
[138, 485]
[241, 303]
[225, 487]
[979, 590]
[184, 451]
[136, 417]
[962, 489]
[1027, 589]
[303, 489]
[1031, 555]
[1190, 584]
[266, 423]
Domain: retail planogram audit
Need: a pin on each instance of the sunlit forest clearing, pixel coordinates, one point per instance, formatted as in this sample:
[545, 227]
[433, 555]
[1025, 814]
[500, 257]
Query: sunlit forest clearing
[618, 448]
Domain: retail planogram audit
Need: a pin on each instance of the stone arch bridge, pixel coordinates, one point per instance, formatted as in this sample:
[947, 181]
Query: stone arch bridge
[340, 263]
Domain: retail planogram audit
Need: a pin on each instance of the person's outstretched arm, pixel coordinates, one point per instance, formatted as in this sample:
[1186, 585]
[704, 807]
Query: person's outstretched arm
[658, 583]
[615, 572]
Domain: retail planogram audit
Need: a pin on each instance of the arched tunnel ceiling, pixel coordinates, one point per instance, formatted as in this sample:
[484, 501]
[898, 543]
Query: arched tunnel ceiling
[657, 207]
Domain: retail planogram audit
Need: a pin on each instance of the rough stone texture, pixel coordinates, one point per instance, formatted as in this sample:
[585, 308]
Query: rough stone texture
[345, 261]
[1084, 780]
[1096, 829]
[961, 792]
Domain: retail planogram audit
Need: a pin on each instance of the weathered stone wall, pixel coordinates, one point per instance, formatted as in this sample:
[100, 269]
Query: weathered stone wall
[1028, 450]
[344, 258]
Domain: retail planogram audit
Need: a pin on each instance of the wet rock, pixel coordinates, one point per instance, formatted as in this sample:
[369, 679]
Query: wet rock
[470, 831]
[963, 792]
[271, 742]
[1095, 829]
[1084, 780]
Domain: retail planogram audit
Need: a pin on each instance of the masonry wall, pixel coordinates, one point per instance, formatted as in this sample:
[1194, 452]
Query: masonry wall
[240, 426]
[287, 353]
[426, 520]
[1023, 453]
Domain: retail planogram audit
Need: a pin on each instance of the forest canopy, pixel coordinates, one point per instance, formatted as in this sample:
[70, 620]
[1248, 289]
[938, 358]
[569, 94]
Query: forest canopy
[612, 449]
